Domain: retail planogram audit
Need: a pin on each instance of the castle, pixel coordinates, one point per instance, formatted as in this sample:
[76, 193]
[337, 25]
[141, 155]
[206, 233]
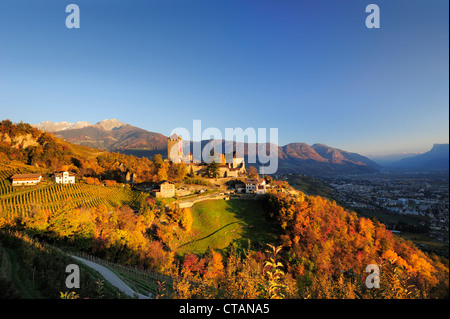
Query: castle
[230, 165]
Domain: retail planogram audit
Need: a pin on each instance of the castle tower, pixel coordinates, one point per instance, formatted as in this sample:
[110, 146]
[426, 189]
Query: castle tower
[175, 148]
[238, 161]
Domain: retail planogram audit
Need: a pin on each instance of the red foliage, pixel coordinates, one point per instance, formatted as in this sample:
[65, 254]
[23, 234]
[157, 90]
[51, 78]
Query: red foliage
[192, 264]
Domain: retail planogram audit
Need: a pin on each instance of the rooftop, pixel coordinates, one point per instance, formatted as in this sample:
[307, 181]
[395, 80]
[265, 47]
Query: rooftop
[60, 173]
[174, 137]
[254, 180]
[26, 176]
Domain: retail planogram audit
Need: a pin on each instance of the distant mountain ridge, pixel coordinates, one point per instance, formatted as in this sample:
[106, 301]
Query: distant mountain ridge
[301, 158]
[52, 127]
[386, 160]
[48, 126]
[116, 136]
[110, 124]
[435, 159]
[320, 159]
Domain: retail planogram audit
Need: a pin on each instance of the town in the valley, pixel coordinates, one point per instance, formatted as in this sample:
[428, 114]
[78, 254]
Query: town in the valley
[411, 204]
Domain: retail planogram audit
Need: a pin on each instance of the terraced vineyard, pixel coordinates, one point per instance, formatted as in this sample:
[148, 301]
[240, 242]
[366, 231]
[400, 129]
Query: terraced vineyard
[19, 202]
[5, 185]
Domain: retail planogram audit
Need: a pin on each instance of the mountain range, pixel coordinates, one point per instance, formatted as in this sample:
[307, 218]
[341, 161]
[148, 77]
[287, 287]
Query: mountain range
[48, 126]
[116, 136]
[113, 135]
[387, 160]
[435, 159]
[320, 159]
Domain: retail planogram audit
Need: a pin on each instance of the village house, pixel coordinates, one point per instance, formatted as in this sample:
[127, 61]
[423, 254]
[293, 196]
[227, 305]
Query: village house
[252, 186]
[65, 178]
[26, 179]
[255, 186]
[164, 189]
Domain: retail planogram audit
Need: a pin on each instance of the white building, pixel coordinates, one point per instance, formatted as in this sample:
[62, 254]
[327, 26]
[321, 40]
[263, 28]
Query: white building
[255, 186]
[26, 179]
[165, 189]
[65, 178]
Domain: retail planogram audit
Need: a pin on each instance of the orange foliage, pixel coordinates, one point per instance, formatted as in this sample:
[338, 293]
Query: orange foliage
[110, 183]
[215, 266]
[92, 181]
[323, 234]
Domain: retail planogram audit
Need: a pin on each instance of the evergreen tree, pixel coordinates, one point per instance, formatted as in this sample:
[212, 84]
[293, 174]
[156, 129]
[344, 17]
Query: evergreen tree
[212, 169]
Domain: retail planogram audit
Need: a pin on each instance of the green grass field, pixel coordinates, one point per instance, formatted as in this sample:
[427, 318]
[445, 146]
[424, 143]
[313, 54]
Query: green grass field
[219, 223]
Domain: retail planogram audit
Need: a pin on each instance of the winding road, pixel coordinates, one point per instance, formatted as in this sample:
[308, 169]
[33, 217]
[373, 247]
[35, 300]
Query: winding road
[111, 278]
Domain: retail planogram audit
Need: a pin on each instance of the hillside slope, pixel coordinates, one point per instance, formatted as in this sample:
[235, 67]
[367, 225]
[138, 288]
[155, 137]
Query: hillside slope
[31, 270]
[45, 153]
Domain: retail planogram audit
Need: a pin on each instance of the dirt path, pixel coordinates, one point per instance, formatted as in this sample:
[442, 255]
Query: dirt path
[207, 236]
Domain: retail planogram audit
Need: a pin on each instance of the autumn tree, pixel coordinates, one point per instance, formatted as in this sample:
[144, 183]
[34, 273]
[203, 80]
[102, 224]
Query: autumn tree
[273, 286]
[215, 266]
[177, 171]
[186, 219]
[193, 265]
[253, 172]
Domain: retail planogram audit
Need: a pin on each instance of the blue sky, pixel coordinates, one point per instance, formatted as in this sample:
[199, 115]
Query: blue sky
[310, 68]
